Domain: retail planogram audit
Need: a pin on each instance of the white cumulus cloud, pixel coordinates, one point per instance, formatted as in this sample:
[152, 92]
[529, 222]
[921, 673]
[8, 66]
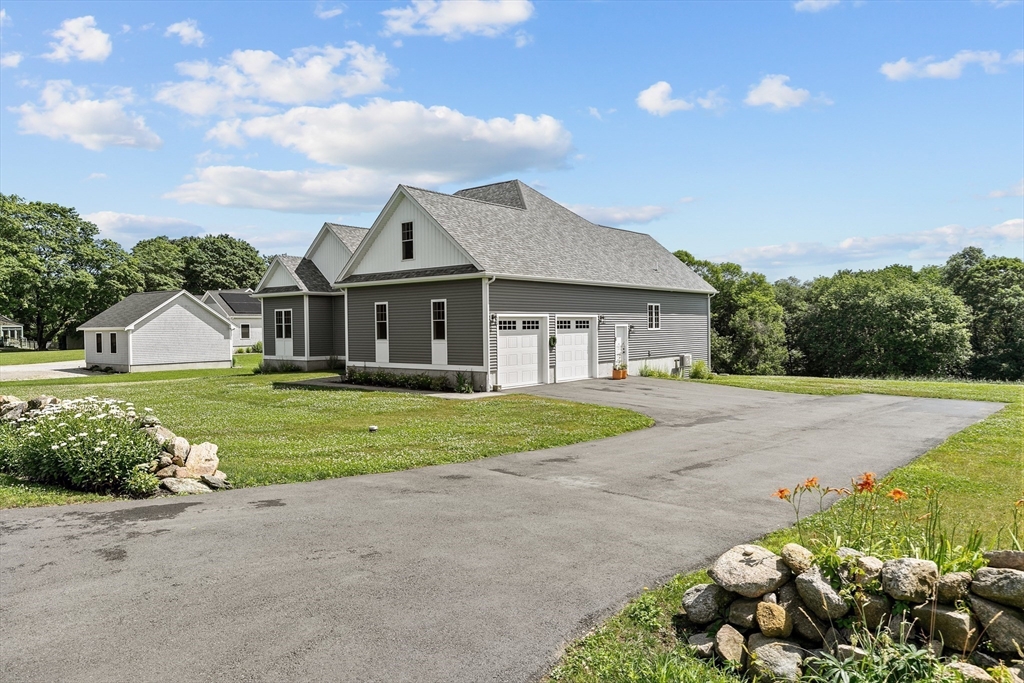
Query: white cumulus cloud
[713, 100]
[5, 18]
[187, 31]
[952, 68]
[129, 228]
[323, 12]
[11, 60]
[452, 19]
[619, 215]
[814, 5]
[922, 244]
[70, 113]
[773, 92]
[1014, 191]
[248, 81]
[657, 100]
[79, 39]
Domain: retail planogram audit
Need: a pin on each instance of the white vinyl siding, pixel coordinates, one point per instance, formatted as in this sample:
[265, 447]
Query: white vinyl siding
[433, 247]
[280, 277]
[330, 255]
[182, 332]
[105, 356]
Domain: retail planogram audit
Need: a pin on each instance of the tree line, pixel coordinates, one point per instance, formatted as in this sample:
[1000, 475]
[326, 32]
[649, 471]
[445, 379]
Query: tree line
[56, 272]
[964, 319]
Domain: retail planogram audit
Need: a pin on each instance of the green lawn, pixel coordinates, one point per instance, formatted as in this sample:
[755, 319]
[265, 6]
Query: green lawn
[269, 436]
[978, 474]
[20, 357]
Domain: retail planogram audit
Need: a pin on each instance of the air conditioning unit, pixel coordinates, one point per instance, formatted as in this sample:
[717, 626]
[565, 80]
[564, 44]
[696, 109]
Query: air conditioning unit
[685, 362]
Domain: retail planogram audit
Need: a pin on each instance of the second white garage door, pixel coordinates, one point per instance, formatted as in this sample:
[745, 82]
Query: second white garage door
[518, 351]
[573, 349]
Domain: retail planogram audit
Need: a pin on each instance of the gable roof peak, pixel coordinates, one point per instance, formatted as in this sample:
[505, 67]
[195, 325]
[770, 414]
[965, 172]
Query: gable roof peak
[506, 193]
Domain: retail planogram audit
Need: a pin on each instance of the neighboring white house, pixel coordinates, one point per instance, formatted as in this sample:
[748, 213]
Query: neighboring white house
[241, 309]
[11, 333]
[170, 330]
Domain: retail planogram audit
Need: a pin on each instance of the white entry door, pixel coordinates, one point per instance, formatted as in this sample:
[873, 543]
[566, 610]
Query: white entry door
[518, 351]
[283, 333]
[621, 345]
[573, 348]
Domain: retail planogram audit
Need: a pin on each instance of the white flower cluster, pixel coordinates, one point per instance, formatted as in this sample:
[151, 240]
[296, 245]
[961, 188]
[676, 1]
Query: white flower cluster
[91, 406]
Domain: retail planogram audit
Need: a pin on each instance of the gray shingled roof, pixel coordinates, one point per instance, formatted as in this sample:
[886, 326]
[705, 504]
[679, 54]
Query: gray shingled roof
[546, 240]
[349, 235]
[409, 274]
[129, 309]
[305, 273]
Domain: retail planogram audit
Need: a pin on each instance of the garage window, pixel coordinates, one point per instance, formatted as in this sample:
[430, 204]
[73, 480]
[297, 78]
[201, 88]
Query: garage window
[406, 241]
[245, 331]
[99, 342]
[506, 324]
[382, 321]
[531, 324]
[582, 324]
[439, 316]
[564, 325]
[113, 342]
[654, 316]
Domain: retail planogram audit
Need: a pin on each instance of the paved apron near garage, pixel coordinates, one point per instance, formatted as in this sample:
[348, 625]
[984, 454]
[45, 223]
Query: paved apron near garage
[480, 571]
[61, 369]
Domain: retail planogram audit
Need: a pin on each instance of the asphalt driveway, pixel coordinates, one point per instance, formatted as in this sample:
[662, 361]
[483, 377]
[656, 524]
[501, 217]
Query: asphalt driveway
[473, 572]
[62, 369]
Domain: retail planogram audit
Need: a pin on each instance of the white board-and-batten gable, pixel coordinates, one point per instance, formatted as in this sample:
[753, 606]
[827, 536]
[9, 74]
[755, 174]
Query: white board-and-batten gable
[278, 277]
[381, 251]
[328, 253]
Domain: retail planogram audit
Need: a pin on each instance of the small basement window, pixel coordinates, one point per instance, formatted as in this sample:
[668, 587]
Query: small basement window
[654, 316]
[564, 325]
[99, 342]
[113, 342]
[381, 321]
[245, 331]
[406, 241]
[439, 315]
[506, 324]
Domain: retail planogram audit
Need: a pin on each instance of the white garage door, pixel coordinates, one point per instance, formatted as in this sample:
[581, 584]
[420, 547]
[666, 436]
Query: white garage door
[573, 348]
[518, 351]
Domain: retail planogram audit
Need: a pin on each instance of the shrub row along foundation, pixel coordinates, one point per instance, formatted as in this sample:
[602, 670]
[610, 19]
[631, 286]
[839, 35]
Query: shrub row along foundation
[777, 617]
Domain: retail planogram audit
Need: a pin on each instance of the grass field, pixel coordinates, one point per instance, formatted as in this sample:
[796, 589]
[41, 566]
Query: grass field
[269, 436]
[978, 474]
[20, 357]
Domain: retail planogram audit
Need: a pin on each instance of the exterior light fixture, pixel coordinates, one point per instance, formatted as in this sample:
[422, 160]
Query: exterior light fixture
[631, 328]
[600, 320]
[494, 319]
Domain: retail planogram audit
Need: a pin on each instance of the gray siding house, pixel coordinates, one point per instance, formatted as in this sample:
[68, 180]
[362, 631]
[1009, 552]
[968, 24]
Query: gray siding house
[168, 330]
[499, 283]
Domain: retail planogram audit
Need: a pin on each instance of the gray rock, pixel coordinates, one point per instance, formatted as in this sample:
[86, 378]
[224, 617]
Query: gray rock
[798, 558]
[909, 579]
[954, 586]
[833, 639]
[804, 622]
[7, 399]
[979, 658]
[165, 461]
[1005, 559]
[730, 645]
[935, 647]
[957, 630]
[704, 603]
[175, 485]
[160, 433]
[872, 610]
[1002, 585]
[704, 644]
[770, 597]
[12, 411]
[40, 401]
[901, 626]
[202, 459]
[774, 659]
[214, 482]
[845, 553]
[845, 652]
[743, 613]
[969, 673]
[178, 460]
[1002, 625]
[773, 620]
[819, 595]
[178, 446]
[168, 471]
[868, 569]
[749, 570]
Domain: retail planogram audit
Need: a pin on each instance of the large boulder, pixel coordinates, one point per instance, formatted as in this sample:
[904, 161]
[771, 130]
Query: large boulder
[819, 595]
[1005, 559]
[804, 622]
[909, 579]
[749, 570]
[12, 411]
[40, 401]
[160, 433]
[743, 613]
[1003, 626]
[954, 586]
[1002, 585]
[957, 630]
[774, 659]
[730, 645]
[868, 569]
[8, 399]
[704, 644]
[202, 459]
[177, 447]
[872, 610]
[798, 558]
[968, 673]
[175, 485]
[773, 620]
[704, 603]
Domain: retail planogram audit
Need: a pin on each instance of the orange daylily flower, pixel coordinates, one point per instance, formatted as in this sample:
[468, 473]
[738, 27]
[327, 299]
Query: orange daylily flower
[810, 483]
[866, 483]
[898, 495]
[782, 494]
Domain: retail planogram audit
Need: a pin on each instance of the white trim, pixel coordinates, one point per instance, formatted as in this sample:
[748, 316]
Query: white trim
[412, 239]
[487, 332]
[594, 344]
[303, 359]
[152, 311]
[416, 280]
[438, 347]
[418, 366]
[594, 283]
[297, 292]
[101, 329]
[128, 334]
[381, 347]
[270, 268]
[305, 327]
[544, 369]
[657, 308]
[346, 321]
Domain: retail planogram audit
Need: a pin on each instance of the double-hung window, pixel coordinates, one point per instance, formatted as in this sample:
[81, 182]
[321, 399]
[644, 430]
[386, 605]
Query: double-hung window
[99, 342]
[439, 318]
[654, 316]
[406, 241]
[283, 324]
[245, 331]
[113, 342]
[381, 315]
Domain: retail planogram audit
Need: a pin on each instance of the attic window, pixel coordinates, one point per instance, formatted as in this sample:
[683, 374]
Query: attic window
[406, 241]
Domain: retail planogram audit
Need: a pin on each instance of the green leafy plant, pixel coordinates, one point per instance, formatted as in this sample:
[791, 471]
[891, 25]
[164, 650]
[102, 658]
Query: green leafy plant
[463, 383]
[885, 661]
[647, 371]
[700, 370]
[384, 378]
[645, 612]
[265, 368]
[257, 347]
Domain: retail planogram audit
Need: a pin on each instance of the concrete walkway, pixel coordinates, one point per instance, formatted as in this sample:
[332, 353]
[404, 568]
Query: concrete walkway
[473, 572]
[64, 369]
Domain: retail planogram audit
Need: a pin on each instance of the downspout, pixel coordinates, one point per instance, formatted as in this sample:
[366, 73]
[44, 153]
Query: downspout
[487, 330]
[709, 330]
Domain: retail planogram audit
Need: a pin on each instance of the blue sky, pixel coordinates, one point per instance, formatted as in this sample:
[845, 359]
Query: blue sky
[796, 138]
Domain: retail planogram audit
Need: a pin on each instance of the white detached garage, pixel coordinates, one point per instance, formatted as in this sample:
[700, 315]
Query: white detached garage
[148, 331]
